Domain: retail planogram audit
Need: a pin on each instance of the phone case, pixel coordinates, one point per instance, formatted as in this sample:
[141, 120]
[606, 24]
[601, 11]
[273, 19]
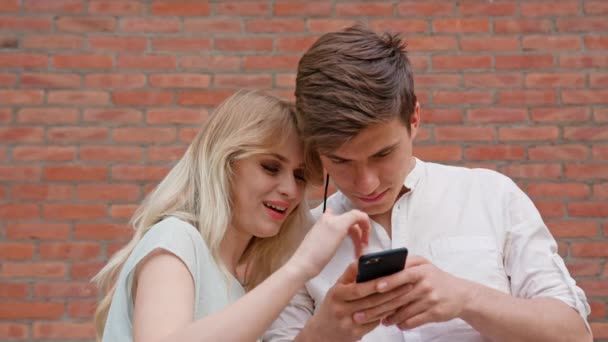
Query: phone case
[380, 264]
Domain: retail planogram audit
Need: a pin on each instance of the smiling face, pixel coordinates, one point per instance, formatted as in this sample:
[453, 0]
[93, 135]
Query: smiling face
[267, 187]
[370, 169]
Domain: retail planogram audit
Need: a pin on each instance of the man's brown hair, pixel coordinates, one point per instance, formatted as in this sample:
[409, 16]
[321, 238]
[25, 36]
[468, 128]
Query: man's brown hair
[347, 81]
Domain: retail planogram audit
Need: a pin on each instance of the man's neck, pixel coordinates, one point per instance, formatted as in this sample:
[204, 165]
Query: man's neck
[384, 220]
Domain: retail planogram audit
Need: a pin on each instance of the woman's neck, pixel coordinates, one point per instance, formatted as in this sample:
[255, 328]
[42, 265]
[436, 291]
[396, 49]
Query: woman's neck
[232, 248]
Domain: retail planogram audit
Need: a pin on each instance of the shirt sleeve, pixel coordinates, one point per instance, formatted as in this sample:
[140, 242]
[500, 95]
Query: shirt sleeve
[293, 318]
[531, 258]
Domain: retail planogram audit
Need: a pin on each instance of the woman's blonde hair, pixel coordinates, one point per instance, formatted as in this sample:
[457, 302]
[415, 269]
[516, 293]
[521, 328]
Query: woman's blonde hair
[198, 190]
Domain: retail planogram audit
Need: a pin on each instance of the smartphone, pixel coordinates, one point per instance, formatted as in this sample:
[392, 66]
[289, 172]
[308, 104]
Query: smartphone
[380, 264]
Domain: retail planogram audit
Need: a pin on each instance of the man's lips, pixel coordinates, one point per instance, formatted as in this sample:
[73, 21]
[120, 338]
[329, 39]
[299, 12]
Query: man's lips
[373, 197]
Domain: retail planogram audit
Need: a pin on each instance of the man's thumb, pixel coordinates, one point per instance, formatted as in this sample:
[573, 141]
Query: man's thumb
[350, 274]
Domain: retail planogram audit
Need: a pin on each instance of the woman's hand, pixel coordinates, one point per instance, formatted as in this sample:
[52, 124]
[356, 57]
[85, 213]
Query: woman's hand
[324, 238]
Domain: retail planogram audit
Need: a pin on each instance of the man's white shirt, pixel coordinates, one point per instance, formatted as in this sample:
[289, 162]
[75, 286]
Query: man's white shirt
[473, 223]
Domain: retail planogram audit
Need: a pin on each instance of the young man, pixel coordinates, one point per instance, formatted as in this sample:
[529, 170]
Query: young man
[482, 265]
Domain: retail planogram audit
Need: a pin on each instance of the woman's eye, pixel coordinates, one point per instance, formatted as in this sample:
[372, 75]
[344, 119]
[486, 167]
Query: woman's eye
[272, 169]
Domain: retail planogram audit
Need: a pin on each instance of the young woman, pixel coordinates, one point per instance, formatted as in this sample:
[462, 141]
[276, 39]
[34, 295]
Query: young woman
[223, 221]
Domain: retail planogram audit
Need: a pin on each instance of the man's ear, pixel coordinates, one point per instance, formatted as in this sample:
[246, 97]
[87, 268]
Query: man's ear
[415, 120]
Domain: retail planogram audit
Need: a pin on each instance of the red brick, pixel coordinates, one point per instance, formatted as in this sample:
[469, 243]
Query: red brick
[48, 80]
[327, 25]
[77, 134]
[460, 133]
[589, 249]
[521, 25]
[458, 97]
[85, 270]
[500, 152]
[550, 209]
[600, 190]
[165, 153]
[34, 270]
[439, 152]
[595, 7]
[533, 171]
[558, 190]
[459, 25]
[551, 43]
[44, 153]
[573, 229]
[74, 211]
[367, 9]
[527, 97]
[210, 62]
[585, 97]
[143, 134]
[13, 290]
[102, 231]
[13, 331]
[291, 44]
[16, 251]
[78, 97]
[241, 8]
[63, 330]
[302, 8]
[150, 25]
[558, 152]
[517, 62]
[492, 80]
[30, 310]
[117, 116]
[8, 79]
[596, 42]
[41, 192]
[203, 97]
[82, 61]
[244, 43]
[9, 41]
[139, 173]
[581, 269]
[598, 310]
[589, 209]
[20, 173]
[53, 7]
[460, 62]
[23, 60]
[528, 133]
[538, 80]
[243, 81]
[6, 115]
[404, 27]
[489, 43]
[47, 115]
[122, 211]
[86, 24]
[80, 309]
[442, 115]
[176, 116]
[181, 44]
[142, 98]
[599, 330]
[187, 134]
[21, 134]
[600, 114]
[213, 25]
[593, 171]
[588, 24]
[115, 80]
[543, 8]
[8, 6]
[598, 80]
[434, 81]
[53, 42]
[75, 173]
[69, 250]
[586, 133]
[63, 290]
[425, 8]
[108, 192]
[560, 114]
[583, 61]
[26, 23]
[492, 9]
[496, 115]
[420, 64]
[181, 8]
[111, 43]
[148, 62]
[110, 153]
[431, 43]
[18, 211]
[274, 25]
[113, 7]
[180, 80]
[37, 231]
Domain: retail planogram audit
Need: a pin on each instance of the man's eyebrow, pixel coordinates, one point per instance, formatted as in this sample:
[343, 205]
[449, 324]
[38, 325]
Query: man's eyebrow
[381, 151]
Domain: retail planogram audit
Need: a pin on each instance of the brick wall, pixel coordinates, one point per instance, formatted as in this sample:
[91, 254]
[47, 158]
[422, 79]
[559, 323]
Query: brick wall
[99, 97]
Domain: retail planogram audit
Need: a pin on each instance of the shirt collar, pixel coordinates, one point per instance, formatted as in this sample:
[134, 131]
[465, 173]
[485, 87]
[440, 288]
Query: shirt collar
[412, 179]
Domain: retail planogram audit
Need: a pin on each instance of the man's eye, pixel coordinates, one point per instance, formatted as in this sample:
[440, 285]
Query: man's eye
[338, 161]
[383, 154]
[299, 175]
